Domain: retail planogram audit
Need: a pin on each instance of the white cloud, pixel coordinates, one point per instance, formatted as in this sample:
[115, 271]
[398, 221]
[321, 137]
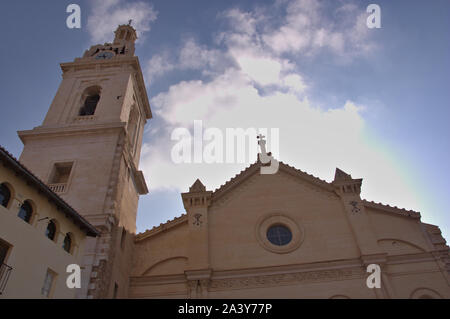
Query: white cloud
[294, 82]
[194, 56]
[263, 70]
[260, 47]
[106, 15]
[312, 139]
[158, 65]
[308, 28]
[191, 56]
[259, 87]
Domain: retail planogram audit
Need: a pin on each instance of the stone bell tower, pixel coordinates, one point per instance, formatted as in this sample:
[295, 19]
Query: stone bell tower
[87, 150]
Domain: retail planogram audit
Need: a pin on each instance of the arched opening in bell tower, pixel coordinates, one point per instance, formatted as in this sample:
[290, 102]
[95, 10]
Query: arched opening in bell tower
[91, 96]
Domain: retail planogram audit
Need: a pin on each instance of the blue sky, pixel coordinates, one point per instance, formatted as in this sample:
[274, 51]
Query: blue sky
[374, 102]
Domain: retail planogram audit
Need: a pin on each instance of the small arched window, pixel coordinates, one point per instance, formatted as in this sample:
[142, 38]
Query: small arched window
[90, 104]
[50, 232]
[67, 244]
[89, 100]
[5, 195]
[26, 211]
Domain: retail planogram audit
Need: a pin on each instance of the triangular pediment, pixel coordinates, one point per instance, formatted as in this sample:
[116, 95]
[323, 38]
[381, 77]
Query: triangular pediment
[255, 169]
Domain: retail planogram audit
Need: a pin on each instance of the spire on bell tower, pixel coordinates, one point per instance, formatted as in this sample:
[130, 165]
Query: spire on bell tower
[122, 46]
[126, 35]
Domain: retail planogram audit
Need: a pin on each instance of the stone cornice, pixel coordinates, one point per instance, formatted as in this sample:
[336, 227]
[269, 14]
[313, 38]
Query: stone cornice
[410, 258]
[87, 63]
[395, 210]
[283, 269]
[268, 276]
[286, 278]
[288, 274]
[162, 227]
[41, 132]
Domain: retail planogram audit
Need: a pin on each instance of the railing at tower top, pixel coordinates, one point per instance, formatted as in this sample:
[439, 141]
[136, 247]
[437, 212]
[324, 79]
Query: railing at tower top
[5, 271]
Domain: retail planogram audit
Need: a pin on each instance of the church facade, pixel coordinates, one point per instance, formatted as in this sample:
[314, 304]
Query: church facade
[289, 235]
[282, 235]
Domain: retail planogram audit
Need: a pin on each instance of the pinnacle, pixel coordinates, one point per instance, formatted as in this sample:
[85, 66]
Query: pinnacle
[197, 187]
[341, 175]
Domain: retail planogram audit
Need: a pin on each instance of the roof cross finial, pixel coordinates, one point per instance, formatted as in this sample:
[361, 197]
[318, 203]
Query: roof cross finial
[129, 21]
[269, 164]
[262, 143]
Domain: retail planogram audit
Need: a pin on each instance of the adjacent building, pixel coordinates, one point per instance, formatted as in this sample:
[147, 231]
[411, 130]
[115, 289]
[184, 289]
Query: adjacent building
[40, 235]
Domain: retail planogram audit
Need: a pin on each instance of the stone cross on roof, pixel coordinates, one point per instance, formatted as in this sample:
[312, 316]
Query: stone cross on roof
[262, 143]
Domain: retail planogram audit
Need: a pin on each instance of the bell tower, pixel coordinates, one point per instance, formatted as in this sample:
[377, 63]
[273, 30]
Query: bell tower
[87, 150]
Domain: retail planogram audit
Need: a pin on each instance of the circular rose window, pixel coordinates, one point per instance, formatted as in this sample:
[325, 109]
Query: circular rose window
[279, 233]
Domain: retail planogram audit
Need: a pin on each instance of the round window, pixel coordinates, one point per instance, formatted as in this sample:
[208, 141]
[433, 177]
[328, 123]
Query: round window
[279, 235]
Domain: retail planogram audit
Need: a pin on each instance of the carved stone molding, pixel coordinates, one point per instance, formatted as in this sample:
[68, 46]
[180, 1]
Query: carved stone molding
[287, 279]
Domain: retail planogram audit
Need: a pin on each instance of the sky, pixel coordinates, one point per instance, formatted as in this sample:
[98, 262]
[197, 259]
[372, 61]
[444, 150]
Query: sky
[373, 102]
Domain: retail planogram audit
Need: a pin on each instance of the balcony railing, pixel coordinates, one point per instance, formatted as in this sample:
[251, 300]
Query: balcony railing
[5, 271]
[58, 188]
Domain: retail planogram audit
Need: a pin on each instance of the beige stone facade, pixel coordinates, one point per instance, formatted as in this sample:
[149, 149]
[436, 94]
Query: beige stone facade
[219, 249]
[88, 148]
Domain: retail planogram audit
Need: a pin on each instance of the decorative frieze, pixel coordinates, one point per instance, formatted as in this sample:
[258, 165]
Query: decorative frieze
[287, 279]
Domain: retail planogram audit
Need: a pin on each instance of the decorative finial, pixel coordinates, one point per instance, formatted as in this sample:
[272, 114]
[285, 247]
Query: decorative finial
[269, 164]
[129, 21]
[262, 143]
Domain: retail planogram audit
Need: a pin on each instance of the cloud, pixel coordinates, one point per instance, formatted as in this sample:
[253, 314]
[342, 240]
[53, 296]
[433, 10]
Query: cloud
[309, 28]
[158, 65]
[106, 15]
[301, 28]
[254, 82]
[191, 56]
